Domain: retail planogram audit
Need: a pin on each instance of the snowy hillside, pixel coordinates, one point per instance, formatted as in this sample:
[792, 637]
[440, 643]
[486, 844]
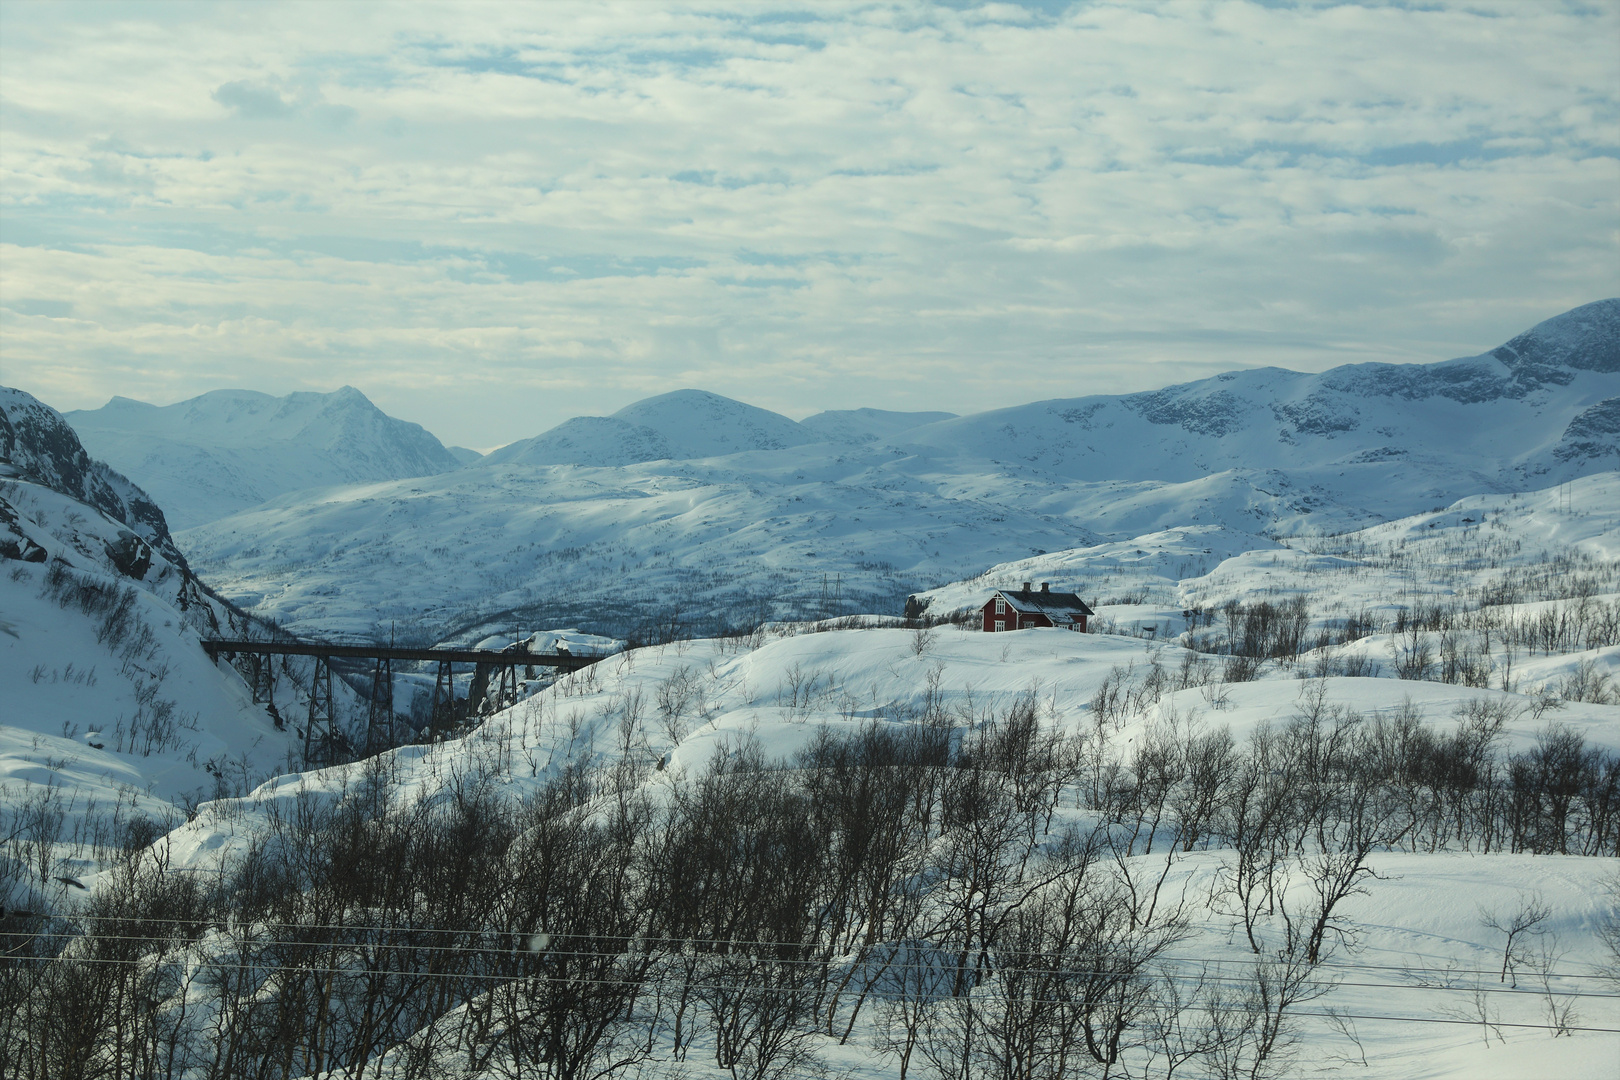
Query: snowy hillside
[1447, 552]
[230, 449]
[110, 710]
[765, 509]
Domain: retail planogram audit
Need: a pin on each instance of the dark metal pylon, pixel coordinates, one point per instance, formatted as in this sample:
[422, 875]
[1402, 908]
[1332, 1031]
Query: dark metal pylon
[261, 678]
[320, 733]
[444, 696]
[380, 717]
[506, 694]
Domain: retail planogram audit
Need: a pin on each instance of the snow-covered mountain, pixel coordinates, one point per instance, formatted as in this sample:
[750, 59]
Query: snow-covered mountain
[1384, 438]
[763, 516]
[108, 704]
[720, 542]
[230, 449]
[683, 425]
[37, 446]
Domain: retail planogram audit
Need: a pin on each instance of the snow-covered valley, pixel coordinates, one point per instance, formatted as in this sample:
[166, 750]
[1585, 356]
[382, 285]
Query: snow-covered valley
[1332, 787]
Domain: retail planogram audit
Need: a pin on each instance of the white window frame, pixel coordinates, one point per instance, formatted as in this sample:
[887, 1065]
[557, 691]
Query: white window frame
[1001, 606]
[1001, 624]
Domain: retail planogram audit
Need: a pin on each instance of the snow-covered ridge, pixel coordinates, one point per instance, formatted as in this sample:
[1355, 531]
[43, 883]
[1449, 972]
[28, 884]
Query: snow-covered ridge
[1525, 410]
[230, 449]
[683, 424]
[868, 425]
[36, 445]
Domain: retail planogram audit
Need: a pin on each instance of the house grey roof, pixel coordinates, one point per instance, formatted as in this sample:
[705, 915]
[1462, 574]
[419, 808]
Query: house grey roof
[1051, 604]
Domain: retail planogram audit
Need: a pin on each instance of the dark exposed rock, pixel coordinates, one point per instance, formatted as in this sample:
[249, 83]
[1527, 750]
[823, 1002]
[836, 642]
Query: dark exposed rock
[1219, 413]
[1316, 415]
[24, 550]
[131, 554]
[1586, 338]
[1593, 433]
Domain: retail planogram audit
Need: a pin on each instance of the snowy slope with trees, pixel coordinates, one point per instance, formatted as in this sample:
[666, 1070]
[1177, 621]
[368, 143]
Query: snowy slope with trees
[110, 711]
[230, 449]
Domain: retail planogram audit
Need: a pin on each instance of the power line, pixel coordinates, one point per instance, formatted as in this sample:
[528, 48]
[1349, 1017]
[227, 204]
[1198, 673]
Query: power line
[679, 941]
[979, 992]
[523, 949]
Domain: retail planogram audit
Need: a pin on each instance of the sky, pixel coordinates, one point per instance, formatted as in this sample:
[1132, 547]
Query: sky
[493, 217]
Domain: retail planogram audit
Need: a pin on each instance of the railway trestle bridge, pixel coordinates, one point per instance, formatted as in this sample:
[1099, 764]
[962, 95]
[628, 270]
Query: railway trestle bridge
[322, 738]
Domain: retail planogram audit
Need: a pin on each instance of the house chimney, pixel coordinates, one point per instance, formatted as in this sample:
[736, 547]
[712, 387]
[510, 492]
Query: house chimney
[1046, 586]
[1026, 586]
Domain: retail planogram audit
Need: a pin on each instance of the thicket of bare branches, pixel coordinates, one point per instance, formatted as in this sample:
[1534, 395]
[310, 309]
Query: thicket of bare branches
[981, 895]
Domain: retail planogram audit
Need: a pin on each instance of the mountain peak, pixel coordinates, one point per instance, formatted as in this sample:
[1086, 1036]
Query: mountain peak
[681, 424]
[1586, 338]
[698, 423]
[688, 397]
[228, 449]
[118, 402]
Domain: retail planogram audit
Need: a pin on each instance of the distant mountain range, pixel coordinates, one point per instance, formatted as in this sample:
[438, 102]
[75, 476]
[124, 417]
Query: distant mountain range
[1366, 439]
[231, 449]
[693, 503]
[690, 424]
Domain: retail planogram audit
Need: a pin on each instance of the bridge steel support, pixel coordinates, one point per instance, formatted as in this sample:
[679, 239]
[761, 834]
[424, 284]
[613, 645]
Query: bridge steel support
[380, 717]
[506, 694]
[320, 733]
[324, 744]
[444, 698]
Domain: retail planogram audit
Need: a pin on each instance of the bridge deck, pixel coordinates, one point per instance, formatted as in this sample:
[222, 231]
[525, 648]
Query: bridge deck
[216, 646]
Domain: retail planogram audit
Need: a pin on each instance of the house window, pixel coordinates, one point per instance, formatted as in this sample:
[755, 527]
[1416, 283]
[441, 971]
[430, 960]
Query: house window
[1001, 624]
[1001, 606]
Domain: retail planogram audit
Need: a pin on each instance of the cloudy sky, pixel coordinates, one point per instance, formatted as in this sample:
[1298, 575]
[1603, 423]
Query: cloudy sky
[491, 217]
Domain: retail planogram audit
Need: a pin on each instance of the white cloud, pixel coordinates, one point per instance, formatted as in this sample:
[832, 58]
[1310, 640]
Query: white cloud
[493, 217]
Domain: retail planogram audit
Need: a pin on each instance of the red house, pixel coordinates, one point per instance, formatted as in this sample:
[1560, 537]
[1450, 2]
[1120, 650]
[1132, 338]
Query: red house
[1020, 610]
